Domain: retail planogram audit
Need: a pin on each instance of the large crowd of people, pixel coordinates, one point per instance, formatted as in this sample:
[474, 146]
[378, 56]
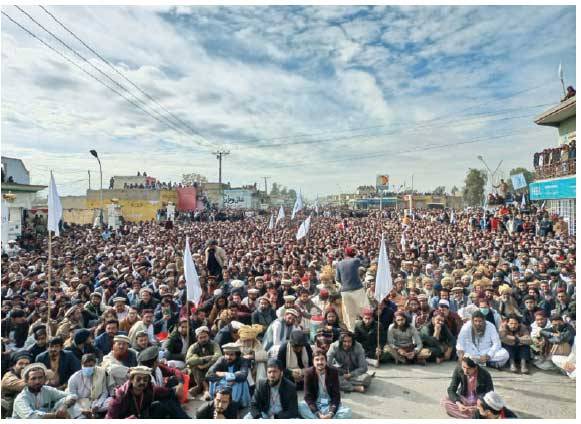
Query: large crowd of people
[284, 328]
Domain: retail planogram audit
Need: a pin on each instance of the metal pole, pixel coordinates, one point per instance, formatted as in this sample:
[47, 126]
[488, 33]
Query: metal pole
[89, 172]
[101, 191]
[49, 275]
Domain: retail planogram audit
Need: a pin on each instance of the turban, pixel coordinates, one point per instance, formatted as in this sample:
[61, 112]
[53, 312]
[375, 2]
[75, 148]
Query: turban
[202, 329]
[140, 370]
[249, 332]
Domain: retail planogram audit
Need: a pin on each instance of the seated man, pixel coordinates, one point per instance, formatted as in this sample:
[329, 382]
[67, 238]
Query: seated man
[279, 331]
[322, 393]
[200, 357]
[348, 357]
[61, 362]
[274, 397]
[295, 356]
[468, 382]
[40, 341]
[263, 315]
[491, 407]
[437, 338]
[12, 381]
[253, 352]
[119, 360]
[38, 400]
[404, 344]
[145, 324]
[177, 344]
[565, 363]
[366, 334]
[516, 339]
[555, 339]
[479, 340]
[231, 370]
[92, 387]
[222, 407]
[139, 398]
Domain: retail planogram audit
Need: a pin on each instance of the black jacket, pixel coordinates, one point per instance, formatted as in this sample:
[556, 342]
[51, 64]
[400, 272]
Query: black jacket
[282, 358]
[206, 411]
[312, 388]
[459, 384]
[20, 331]
[174, 346]
[68, 364]
[288, 400]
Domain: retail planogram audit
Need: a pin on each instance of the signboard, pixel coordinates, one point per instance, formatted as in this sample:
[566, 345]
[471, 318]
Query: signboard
[382, 182]
[187, 197]
[561, 188]
[237, 199]
[518, 181]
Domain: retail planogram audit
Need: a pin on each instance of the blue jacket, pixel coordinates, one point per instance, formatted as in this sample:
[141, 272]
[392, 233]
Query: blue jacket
[348, 274]
[68, 364]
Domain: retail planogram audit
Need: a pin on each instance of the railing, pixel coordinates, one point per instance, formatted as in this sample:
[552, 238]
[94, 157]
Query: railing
[554, 170]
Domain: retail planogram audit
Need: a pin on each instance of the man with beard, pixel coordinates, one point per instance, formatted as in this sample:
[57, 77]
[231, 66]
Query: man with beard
[437, 338]
[353, 294]
[469, 381]
[348, 357]
[529, 310]
[177, 344]
[555, 339]
[73, 321]
[61, 362]
[404, 344]
[264, 315]
[119, 360]
[453, 320]
[295, 356]
[516, 339]
[222, 407]
[12, 382]
[104, 342]
[139, 398]
[199, 358]
[82, 344]
[15, 329]
[40, 341]
[92, 387]
[366, 334]
[231, 370]
[280, 331]
[322, 398]
[274, 397]
[479, 341]
[38, 400]
[146, 324]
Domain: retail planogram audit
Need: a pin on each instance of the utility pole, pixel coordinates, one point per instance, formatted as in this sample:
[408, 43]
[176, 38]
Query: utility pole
[89, 172]
[219, 155]
[265, 186]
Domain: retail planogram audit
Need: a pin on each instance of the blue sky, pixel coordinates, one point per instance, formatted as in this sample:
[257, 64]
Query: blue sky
[319, 98]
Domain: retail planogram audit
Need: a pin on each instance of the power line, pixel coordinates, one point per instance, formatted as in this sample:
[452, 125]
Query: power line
[122, 74]
[167, 122]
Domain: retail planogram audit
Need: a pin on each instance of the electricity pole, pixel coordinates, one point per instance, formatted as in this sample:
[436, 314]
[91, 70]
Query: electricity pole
[219, 155]
[265, 186]
[89, 172]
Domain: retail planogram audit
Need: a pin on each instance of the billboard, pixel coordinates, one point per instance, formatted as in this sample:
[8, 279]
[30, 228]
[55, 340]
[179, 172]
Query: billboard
[186, 199]
[518, 181]
[237, 199]
[382, 182]
[561, 188]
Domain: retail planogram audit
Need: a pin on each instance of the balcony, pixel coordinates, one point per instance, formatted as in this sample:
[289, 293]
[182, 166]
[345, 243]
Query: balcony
[555, 162]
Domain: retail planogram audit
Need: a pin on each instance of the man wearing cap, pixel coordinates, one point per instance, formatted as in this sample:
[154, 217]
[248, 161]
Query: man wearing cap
[366, 334]
[322, 399]
[93, 306]
[61, 362]
[231, 370]
[139, 398]
[480, 341]
[92, 387]
[555, 339]
[348, 357]
[295, 356]
[12, 381]
[145, 324]
[491, 406]
[120, 359]
[353, 294]
[199, 358]
[264, 315]
[274, 396]
[289, 303]
[39, 400]
[279, 331]
[306, 307]
[251, 301]
[121, 308]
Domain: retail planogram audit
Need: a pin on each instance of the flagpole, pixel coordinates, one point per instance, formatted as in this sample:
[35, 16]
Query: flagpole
[49, 270]
[378, 354]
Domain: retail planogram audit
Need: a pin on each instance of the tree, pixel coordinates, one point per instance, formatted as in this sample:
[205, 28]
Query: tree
[529, 177]
[474, 183]
[454, 190]
[292, 194]
[274, 190]
[439, 191]
[283, 191]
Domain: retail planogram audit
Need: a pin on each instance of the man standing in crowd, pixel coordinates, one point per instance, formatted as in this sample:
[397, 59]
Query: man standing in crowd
[353, 294]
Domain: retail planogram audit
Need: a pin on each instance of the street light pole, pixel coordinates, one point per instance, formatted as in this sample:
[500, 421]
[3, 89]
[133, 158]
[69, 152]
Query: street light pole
[490, 173]
[94, 153]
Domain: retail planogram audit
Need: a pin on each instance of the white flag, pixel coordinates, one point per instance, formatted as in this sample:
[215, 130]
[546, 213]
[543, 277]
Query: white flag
[280, 214]
[560, 71]
[193, 288]
[317, 206]
[402, 241]
[523, 202]
[383, 282]
[271, 222]
[304, 228]
[543, 205]
[452, 217]
[298, 205]
[55, 209]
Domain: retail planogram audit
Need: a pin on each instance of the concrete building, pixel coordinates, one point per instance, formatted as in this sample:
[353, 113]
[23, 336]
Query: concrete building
[555, 167]
[18, 196]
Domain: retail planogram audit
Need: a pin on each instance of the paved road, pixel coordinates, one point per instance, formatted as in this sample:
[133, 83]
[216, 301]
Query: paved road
[411, 391]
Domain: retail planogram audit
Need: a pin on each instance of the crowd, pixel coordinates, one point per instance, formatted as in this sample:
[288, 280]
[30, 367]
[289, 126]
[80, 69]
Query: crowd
[284, 327]
[556, 161]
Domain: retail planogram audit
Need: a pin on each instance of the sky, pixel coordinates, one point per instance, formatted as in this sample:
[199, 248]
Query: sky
[320, 99]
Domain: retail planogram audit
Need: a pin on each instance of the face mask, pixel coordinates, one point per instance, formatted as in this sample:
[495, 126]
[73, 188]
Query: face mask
[88, 371]
[484, 311]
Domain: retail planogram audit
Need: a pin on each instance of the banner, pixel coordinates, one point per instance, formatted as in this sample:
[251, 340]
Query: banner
[382, 182]
[237, 198]
[561, 188]
[518, 181]
[186, 199]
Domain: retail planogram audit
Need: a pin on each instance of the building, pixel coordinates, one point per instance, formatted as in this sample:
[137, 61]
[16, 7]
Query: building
[555, 167]
[18, 196]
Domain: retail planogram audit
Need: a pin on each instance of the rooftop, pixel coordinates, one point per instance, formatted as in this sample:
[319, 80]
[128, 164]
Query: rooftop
[557, 114]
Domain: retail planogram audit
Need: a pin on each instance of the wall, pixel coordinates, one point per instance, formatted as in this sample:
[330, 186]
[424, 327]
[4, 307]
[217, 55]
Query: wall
[15, 168]
[79, 216]
[238, 199]
[567, 130]
[136, 205]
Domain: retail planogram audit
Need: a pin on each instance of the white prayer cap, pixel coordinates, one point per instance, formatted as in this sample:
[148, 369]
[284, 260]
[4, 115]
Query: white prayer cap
[494, 400]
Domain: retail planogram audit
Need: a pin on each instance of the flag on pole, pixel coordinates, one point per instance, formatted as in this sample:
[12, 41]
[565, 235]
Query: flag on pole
[271, 222]
[55, 209]
[193, 288]
[402, 241]
[298, 205]
[560, 71]
[280, 214]
[383, 282]
[543, 205]
[317, 206]
[452, 217]
[523, 202]
[304, 228]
